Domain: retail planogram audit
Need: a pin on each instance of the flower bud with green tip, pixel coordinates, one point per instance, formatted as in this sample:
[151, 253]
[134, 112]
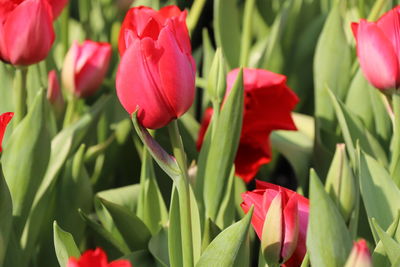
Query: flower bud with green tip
[216, 84]
[340, 182]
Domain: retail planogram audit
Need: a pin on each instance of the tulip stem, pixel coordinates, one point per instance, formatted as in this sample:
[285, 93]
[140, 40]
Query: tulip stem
[71, 111]
[194, 15]
[183, 187]
[396, 134]
[20, 94]
[246, 34]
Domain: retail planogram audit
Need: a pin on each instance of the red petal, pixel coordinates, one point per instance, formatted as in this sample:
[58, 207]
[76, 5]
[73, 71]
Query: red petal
[57, 6]
[389, 24]
[5, 118]
[291, 224]
[28, 32]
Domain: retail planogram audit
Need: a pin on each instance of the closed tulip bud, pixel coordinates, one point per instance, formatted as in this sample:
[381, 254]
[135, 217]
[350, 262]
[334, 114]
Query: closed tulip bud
[54, 94]
[96, 258]
[280, 220]
[26, 31]
[216, 85]
[360, 255]
[340, 182]
[378, 50]
[5, 118]
[157, 71]
[85, 67]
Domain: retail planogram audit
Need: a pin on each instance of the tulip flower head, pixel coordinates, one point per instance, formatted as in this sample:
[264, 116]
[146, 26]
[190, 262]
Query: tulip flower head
[280, 220]
[360, 255]
[268, 106]
[5, 118]
[26, 29]
[157, 71]
[85, 67]
[96, 258]
[378, 49]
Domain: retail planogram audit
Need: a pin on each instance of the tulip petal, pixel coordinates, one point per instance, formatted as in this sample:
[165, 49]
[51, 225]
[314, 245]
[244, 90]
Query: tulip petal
[377, 56]
[291, 223]
[28, 32]
[389, 24]
[5, 118]
[57, 6]
[176, 73]
[136, 85]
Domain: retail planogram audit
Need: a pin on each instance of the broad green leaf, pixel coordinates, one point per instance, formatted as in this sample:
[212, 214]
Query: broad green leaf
[64, 245]
[174, 232]
[353, 130]
[226, 214]
[379, 256]
[151, 206]
[225, 248]
[223, 147]
[392, 247]
[326, 223]
[141, 258]
[158, 247]
[332, 71]
[5, 217]
[25, 160]
[133, 230]
[380, 194]
[211, 230]
[104, 234]
[226, 16]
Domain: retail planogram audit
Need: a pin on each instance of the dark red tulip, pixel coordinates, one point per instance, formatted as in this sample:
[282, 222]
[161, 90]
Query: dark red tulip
[268, 106]
[157, 71]
[96, 258]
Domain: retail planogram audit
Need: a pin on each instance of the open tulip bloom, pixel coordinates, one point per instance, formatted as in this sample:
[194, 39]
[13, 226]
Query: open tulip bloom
[233, 134]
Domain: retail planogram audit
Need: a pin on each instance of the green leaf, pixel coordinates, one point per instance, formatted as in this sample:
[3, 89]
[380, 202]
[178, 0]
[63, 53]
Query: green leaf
[5, 217]
[64, 245]
[226, 214]
[224, 249]
[133, 230]
[25, 160]
[141, 258]
[211, 230]
[326, 223]
[392, 247]
[226, 16]
[380, 194]
[223, 147]
[158, 247]
[353, 130]
[165, 161]
[332, 71]
[151, 206]
[104, 234]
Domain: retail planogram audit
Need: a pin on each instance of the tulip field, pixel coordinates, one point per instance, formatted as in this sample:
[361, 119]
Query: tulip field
[199, 133]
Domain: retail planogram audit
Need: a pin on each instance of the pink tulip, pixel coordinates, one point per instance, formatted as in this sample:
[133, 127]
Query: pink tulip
[85, 67]
[96, 258]
[360, 255]
[54, 94]
[26, 31]
[290, 209]
[378, 49]
[157, 70]
[5, 118]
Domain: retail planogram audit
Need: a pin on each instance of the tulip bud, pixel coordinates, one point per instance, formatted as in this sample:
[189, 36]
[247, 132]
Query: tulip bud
[157, 71]
[340, 182]
[26, 31]
[85, 67]
[54, 94]
[377, 49]
[216, 85]
[5, 118]
[280, 220]
[360, 255]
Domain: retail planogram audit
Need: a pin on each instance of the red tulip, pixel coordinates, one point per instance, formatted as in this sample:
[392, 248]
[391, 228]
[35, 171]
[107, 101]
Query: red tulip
[268, 106]
[96, 258]
[26, 30]
[85, 67]
[378, 49]
[293, 213]
[360, 255]
[157, 70]
[57, 6]
[5, 118]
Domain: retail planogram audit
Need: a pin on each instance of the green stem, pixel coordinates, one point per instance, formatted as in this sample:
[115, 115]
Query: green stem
[20, 94]
[396, 132]
[182, 185]
[71, 111]
[377, 9]
[194, 15]
[65, 28]
[246, 34]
